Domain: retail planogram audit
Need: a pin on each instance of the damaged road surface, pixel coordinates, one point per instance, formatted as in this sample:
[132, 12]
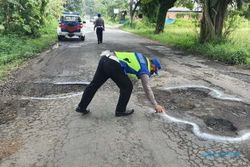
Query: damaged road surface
[207, 122]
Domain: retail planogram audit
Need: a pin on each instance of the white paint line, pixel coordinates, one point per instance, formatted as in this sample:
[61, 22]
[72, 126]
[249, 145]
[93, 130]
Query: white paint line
[71, 83]
[52, 98]
[196, 130]
[59, 97]
[214, 93]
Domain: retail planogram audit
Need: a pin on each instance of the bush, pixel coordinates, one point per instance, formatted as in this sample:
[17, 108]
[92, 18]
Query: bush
[17, 47]
[182, 34]
[24, 18]
[238, 57]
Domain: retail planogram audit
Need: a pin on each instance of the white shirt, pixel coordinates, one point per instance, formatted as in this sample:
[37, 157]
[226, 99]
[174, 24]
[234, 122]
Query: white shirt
[110, 55]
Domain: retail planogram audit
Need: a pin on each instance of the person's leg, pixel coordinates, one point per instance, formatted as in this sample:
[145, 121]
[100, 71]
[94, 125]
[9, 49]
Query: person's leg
[126, 87]
[101, 35]
[98, 32]
[123, 82]
[99, 78]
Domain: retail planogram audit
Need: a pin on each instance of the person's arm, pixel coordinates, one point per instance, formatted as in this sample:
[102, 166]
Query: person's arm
[149, 93]
[95, 24]
[103, 26]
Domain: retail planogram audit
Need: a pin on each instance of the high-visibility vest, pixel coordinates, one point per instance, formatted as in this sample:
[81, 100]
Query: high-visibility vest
[134, 64]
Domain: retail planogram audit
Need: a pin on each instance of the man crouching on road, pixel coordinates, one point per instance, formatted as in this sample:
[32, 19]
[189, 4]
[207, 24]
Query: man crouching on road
[119, 66]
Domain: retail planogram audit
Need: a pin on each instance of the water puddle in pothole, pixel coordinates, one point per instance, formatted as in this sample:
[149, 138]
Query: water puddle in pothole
[212, 114]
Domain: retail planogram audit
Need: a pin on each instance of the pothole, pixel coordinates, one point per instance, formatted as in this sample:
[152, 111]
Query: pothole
[47, 89]
[241, 76]
[219, 124]
[212, 111]
[190, 65]
[11, 107]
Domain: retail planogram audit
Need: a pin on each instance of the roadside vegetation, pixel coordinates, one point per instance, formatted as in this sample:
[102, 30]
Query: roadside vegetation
[184, 34]
[220, 32]
[16, 48]
[26, 28]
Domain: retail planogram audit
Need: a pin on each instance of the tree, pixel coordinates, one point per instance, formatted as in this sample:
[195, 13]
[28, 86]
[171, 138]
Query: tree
[213, 16]
[185, 3]
[23, 16]
[54, 8]
[162, 6]
[246, 9]
[106, 7]
[150, 10]
[74, 6]
[161, 17]
[132, 8]
[89, 7]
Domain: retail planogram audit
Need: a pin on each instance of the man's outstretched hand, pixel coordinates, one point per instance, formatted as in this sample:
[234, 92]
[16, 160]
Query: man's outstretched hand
[159, 109]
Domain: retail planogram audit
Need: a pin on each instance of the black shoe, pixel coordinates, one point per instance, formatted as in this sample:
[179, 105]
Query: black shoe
[78, 109]
[126, 113]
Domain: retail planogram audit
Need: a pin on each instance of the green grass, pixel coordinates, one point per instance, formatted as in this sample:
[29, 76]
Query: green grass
[184, 35]
[16, 49]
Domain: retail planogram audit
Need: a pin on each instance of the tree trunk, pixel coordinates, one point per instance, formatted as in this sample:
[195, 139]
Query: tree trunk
[7, 17]
[164, 6]
[132, 11]
[212, 20]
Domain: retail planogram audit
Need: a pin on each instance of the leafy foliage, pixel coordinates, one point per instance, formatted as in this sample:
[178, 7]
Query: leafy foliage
[27, 17]
[14, 49]
[150, 10]
[232, 22]
[23, 16]
[185, 3]
[54, 9]
[74, 5]
[182, 35]
[88, 7]
[106, 7]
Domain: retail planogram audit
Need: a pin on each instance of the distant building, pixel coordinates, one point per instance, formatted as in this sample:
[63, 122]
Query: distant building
[182, 12]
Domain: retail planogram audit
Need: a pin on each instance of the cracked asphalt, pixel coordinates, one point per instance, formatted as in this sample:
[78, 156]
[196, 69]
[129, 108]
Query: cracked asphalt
[39, 127]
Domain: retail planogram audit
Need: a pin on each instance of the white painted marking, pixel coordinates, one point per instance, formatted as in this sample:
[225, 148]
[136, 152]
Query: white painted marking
[213, 92]
[196, 130]
[59, 97]
[245, 134]
[71, 83]
[51, 98]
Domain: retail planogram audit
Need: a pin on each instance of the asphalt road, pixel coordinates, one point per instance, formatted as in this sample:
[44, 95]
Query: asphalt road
[207, 121]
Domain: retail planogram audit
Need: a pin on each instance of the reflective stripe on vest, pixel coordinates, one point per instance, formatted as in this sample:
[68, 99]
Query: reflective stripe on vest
[133, 62]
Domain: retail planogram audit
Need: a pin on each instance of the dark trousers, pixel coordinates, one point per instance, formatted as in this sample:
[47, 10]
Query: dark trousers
[99, 33]
[106, 69]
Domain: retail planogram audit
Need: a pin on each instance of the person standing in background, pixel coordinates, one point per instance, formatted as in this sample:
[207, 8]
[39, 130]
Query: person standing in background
[99, 27]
